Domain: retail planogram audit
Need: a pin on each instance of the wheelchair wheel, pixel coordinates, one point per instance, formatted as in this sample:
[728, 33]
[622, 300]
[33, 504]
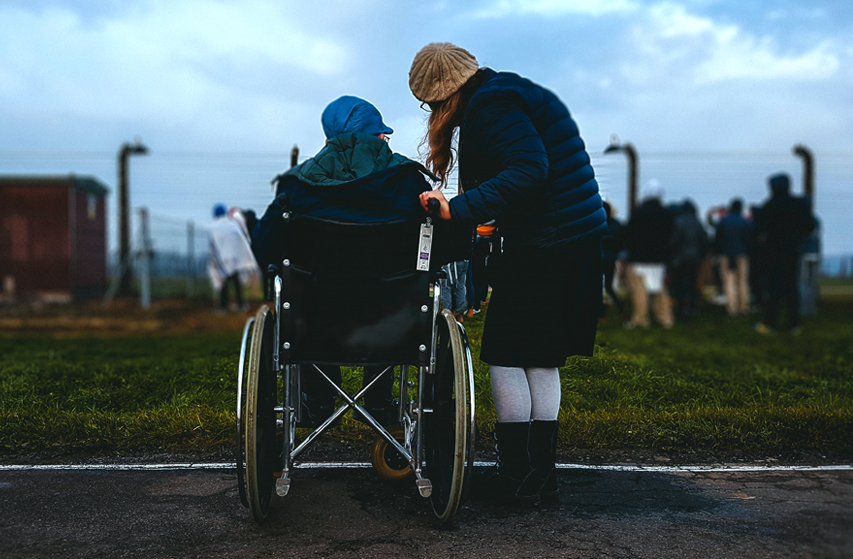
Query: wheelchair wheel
[242, 373]
[261, 448]
[387, 461]
[447, 428]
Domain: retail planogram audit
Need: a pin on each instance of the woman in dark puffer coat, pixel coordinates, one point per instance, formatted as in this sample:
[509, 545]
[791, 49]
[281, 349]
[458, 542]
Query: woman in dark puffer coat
[522, 163]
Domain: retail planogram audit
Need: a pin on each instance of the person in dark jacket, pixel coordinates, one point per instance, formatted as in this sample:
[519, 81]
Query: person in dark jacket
[354, 178]
[647, 240]
[732, 243]
[611, 245]
[522, 163]
[454, 288]
[689, 246]
[784, 224]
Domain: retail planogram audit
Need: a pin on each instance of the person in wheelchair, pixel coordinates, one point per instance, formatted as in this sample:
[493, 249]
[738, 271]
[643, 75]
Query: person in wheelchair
[355, 178]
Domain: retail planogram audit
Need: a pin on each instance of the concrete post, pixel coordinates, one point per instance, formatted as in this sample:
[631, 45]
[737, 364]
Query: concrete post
[633, 168]
[125, 268]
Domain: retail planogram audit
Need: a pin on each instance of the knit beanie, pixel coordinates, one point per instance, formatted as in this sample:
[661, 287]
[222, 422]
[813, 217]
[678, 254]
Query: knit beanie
[439, 70]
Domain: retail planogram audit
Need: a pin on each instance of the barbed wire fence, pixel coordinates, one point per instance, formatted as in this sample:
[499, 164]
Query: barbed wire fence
[169, 260]
[187, 183]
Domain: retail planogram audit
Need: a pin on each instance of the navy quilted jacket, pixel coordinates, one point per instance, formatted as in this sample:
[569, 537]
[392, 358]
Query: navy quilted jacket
[523, 163]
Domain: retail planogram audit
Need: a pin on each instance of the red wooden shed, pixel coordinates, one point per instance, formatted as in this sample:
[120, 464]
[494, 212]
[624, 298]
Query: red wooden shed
[53, 237]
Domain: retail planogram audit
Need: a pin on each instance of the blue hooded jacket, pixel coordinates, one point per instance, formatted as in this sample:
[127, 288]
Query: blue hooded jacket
[523, 163]
[355, 178]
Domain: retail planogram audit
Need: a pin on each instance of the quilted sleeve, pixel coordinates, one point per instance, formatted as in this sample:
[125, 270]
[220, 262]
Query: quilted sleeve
[500, 130]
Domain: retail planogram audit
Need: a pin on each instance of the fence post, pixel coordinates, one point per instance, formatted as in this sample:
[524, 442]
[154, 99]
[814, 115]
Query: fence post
[633, 168]
[190, 259]
[808, 170]
[123, 209]
[144, 262]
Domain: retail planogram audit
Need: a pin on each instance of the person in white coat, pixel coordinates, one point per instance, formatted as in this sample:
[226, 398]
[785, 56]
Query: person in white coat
[230, 256]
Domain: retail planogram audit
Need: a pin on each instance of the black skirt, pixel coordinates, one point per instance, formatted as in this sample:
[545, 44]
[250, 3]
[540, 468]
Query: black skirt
[544, 307]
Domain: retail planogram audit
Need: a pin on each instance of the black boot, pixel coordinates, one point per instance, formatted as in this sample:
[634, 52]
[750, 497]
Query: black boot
[318, 398]
[503, 480]
[317, 410]
[386, 411]
[541, 485]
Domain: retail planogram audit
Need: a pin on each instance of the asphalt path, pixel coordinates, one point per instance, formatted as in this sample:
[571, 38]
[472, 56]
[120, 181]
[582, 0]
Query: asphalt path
[351, 512]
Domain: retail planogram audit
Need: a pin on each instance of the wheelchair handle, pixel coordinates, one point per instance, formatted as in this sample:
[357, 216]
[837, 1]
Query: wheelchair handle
[269, 279]
[433, 207]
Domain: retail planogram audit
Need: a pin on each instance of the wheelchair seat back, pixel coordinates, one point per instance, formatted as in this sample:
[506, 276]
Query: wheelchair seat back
[351, 294]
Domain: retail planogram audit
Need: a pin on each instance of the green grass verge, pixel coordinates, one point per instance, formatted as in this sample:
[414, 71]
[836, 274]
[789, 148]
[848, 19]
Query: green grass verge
[171, 392]
[709, 384]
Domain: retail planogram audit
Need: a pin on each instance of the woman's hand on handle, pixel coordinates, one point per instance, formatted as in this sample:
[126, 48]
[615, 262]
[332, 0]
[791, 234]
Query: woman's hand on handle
[444, 210]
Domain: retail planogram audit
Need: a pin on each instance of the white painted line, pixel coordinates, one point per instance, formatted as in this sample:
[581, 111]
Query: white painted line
[705, 468]
[118, 467]
[360, 465]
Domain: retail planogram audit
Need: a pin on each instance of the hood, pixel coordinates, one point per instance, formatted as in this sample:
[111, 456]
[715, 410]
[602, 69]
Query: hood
[780, 184]
[347, 158]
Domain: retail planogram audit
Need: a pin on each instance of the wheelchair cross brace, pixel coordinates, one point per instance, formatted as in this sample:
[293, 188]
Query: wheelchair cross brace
[415, 460]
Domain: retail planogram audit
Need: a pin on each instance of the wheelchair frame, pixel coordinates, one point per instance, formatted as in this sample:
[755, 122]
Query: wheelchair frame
[436, 428]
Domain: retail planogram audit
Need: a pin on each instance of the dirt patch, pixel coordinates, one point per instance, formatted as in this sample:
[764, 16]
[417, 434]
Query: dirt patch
[121, 317]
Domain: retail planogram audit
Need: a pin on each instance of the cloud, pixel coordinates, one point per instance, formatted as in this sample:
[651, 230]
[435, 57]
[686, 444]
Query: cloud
[552, 8]
[708, 51]
[159, 59]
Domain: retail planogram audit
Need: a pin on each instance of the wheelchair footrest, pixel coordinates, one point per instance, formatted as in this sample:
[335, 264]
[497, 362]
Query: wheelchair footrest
[424, 487]
[282, 486]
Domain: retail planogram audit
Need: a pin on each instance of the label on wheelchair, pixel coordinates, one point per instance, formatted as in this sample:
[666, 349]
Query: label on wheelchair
[424, 248]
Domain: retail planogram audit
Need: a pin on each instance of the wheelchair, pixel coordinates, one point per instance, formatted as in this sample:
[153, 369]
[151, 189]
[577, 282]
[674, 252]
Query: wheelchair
[348, 294]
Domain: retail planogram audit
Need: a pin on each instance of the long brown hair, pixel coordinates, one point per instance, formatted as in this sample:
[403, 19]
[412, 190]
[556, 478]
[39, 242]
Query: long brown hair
[444, 118]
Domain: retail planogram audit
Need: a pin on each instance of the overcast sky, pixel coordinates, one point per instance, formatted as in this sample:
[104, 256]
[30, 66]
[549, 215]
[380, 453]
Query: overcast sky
[713, 94]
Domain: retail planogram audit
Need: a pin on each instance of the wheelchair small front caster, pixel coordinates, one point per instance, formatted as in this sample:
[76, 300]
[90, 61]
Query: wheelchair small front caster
[387, 461]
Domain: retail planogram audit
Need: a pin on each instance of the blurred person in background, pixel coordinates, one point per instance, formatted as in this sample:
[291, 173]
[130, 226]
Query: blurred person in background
[732, 242]
[454, 288]
[689, 246]
[250, 279]
[648, 236]
[230, 256]
[781, 228]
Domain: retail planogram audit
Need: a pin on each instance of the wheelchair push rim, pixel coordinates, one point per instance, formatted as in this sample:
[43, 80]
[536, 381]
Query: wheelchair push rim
[242, 385]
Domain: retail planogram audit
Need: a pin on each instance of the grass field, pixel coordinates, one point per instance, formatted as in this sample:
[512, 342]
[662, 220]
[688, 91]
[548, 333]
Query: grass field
[710, 385]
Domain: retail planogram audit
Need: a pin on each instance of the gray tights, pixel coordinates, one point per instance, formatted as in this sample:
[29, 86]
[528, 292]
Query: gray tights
[525, 394]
